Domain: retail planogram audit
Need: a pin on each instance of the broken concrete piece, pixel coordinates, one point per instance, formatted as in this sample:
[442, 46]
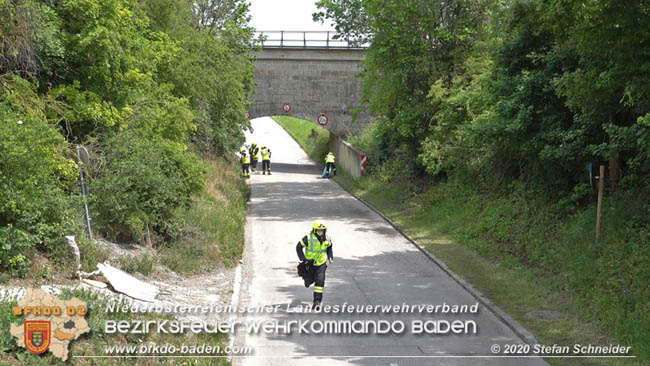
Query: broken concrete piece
[75, 252]
[127, 284]
[95, 283]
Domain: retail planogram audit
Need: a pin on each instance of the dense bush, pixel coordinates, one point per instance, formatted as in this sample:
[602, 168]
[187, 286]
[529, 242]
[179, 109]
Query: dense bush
[143, 184]
[35, 174]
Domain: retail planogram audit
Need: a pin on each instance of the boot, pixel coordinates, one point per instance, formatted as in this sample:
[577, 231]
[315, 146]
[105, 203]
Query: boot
[318, 298]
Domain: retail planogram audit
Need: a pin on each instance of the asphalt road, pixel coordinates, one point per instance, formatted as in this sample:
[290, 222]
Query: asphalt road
[374, 265]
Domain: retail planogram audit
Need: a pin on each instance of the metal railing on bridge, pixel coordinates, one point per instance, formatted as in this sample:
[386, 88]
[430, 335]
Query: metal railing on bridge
[303, 39]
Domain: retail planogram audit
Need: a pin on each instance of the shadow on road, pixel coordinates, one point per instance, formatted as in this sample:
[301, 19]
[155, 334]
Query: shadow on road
[297, 201]
[363, 281]
[293, 168]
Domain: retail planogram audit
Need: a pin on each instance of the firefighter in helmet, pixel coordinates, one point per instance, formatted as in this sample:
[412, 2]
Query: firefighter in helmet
[317, 252]
[254, 155]
[245, 162]
[266, 160]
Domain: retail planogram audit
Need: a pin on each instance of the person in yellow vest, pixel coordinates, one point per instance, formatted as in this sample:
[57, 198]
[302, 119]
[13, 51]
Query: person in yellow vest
[330, 168]
[266, 160]
[245, 163]
[317, 252]
[254, 151]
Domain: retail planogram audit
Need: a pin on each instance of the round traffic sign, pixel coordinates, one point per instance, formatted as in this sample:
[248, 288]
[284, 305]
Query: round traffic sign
[286, 107]
[322, 119]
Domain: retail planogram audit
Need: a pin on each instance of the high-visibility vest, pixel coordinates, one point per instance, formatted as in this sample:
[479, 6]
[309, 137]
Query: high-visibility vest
[253, 151]
[330, 158]
[266, 154]
[316, 250]
[245, 160]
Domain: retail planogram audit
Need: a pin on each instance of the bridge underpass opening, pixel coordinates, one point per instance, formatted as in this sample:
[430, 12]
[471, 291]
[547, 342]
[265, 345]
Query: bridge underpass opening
[348, 158]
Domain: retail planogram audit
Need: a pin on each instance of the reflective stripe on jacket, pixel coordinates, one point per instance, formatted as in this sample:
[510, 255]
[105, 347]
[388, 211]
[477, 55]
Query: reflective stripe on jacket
[316, 250]
[253, 152]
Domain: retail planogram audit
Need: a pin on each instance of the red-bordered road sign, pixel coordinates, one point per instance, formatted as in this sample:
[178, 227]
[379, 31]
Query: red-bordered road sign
[363, 164]
[286, 107]
[322, 119]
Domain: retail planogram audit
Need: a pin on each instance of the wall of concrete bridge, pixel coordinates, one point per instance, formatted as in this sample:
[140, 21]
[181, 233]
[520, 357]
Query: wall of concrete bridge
[311, 81]
[314, 81]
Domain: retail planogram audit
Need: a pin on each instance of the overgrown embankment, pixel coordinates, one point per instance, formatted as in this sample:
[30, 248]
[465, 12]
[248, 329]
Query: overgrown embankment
[521, 251]
[534, 260]
[149, 89]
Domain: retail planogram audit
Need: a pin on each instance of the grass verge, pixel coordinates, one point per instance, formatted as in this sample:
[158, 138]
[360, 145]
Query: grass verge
[214, 223]
[477, 236]
[313, 139]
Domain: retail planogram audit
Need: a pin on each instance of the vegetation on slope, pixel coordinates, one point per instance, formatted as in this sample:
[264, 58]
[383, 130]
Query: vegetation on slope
[148, 87]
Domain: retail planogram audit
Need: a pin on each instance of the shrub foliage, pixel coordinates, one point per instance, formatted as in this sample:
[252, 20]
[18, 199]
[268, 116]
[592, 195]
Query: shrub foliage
[145, 86]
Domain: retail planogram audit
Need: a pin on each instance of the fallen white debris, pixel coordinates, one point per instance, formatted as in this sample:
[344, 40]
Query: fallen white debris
[127, 284]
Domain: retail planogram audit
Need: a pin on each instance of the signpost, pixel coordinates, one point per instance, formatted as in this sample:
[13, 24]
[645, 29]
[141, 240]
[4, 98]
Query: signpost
[286, 108]
[322, 119]
[84, 159]
[599, 210]
[363, 164]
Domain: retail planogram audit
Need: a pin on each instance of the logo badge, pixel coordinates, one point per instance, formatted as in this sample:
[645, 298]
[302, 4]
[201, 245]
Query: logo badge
[37, 335]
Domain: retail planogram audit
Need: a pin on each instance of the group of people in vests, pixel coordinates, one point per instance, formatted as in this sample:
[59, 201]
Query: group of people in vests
[249, 159]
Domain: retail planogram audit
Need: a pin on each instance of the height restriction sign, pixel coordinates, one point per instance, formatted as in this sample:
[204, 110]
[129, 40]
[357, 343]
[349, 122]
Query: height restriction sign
[286, 107]
[322, 119]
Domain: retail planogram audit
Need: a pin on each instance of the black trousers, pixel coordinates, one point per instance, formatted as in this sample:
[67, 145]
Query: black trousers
[266, 165]
[244, 169]
[254, 164]
[316, 275]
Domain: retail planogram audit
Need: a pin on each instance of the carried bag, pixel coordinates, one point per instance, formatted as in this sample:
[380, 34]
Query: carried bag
[305, 270]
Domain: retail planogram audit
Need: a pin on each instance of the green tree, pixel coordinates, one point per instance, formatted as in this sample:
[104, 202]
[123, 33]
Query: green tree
[527, 128]
[609, 91]
[412, 45]
[212, 66]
